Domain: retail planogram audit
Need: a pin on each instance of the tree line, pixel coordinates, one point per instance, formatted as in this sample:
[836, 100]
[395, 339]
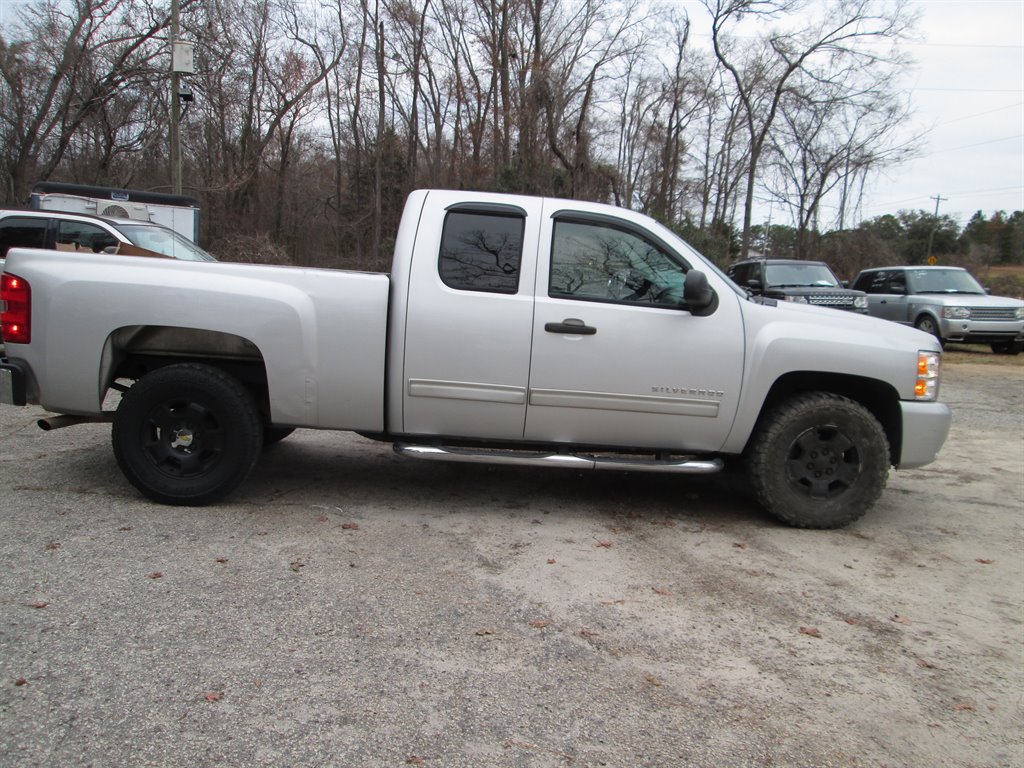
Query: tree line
[310, 122]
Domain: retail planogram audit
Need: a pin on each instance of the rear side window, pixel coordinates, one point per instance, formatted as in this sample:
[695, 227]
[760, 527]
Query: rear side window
[84, 237]
[872, 282]
[22, 232]
[481, 252]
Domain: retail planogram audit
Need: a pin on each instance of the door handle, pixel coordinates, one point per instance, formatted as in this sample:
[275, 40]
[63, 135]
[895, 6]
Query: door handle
[571, 326]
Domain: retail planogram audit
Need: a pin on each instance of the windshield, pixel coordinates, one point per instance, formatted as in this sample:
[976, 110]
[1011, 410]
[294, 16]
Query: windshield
[799, 275]
[165, 241]
[942, 281]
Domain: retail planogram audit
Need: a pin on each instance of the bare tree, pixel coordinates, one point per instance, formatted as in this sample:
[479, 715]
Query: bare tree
[828, 49]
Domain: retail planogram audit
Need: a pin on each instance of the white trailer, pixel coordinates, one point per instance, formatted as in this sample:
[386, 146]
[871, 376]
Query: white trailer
[177, 212]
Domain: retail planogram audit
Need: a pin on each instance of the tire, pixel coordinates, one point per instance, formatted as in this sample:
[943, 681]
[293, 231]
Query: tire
[818, 460]
[1008, 347]
[927, 324]
[273, 434]
[187, 434]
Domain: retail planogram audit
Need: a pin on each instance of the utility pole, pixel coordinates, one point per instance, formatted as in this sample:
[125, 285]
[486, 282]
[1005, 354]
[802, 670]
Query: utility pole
[935, 225]
[182, 62]
[175, 105]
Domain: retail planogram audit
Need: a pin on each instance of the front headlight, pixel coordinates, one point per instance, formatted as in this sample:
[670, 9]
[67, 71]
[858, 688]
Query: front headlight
[927, 385]
[860, 302]
[1019, 313]
[797, 299]
[956, 313]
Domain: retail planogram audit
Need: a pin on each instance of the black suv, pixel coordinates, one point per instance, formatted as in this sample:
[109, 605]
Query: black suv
[805, 282]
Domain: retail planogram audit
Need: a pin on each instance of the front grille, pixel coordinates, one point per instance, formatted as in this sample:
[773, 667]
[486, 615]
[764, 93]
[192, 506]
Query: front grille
[993, 313]
[831, 300]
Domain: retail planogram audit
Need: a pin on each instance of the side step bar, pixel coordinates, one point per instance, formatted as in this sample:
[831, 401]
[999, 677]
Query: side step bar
[681, 465]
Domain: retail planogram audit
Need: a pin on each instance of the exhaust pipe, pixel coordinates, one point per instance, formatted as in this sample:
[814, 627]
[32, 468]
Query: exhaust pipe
[65, 420]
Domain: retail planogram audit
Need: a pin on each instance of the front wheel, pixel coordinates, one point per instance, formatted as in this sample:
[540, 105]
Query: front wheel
[187, 434]
[819, 460]
[927, 324]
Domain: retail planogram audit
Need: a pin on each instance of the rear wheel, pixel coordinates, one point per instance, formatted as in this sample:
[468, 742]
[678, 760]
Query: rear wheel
[187, 434]
[1008, 347]
[819, 461]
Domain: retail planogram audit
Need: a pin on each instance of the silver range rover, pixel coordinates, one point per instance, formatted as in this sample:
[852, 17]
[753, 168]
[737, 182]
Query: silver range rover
[946, 302]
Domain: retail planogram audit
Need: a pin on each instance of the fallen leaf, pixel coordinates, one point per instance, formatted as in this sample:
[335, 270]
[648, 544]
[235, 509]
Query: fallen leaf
[605, 544]
[213, 695]
[984, 561]
[851, 621]
[926, 664]
[659, 591]
[551, 561]
[155, 575]
[350, 526]
[899, 619]
[485, 631]
[20, 682]
[586, 633]
[964, 707]
[323, 519]
[222, 560]
[539, 623]
[739, 545]
[415, 760]
[125, 528]
[35, 605]
[53, 544]
[296, 565]
[652, 680]
[810, 631]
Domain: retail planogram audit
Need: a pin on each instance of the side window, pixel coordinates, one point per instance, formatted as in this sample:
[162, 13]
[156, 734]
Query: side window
[481, 252]
[22, 232]
[83, 237]
[598, 262]
[873, 282]
[897, 282]
[740, 273]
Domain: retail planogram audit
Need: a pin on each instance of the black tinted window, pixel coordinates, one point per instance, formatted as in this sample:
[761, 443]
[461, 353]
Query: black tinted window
[481, 252]
[595, 262]
[84, 237]
[18, 232]
[872, 282]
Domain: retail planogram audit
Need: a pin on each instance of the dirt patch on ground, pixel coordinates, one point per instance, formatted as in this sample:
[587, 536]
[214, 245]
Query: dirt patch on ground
[348, 607]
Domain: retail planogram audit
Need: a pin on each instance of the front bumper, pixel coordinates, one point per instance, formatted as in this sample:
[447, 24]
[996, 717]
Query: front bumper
[981, 331]
[13, 381]
[925, 428]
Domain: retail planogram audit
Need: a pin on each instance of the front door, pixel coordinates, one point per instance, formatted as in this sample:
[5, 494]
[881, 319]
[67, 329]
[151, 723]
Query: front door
[617, 359]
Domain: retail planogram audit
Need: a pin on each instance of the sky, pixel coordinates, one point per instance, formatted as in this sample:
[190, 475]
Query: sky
[968, 94]
[967, 97]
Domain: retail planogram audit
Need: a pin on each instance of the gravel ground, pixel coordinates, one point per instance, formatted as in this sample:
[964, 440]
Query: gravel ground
[347, 607]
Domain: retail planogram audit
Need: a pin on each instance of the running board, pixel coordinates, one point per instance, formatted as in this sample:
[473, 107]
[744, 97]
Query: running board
[681, 465]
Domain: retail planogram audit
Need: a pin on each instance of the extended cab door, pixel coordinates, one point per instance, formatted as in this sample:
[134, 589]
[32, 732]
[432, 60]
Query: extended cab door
[469, 317]
[617, 359]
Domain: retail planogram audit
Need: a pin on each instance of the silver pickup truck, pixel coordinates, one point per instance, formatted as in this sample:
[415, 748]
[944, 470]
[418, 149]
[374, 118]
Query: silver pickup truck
[512, 330]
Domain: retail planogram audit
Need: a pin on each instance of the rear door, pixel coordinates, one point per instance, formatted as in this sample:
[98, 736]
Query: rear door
[469, 319]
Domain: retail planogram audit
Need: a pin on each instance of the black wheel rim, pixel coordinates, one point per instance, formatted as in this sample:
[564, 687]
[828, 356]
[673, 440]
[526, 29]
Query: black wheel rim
[183, 438]
[823, 462]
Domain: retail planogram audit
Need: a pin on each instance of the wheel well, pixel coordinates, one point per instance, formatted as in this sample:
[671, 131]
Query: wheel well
[134, 351]
[877, 396]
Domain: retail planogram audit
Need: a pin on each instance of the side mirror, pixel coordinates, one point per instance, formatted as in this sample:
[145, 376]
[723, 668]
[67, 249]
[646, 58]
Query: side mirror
[698, 295]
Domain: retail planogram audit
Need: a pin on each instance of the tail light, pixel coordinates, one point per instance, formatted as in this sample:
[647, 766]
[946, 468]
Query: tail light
[15, 310]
